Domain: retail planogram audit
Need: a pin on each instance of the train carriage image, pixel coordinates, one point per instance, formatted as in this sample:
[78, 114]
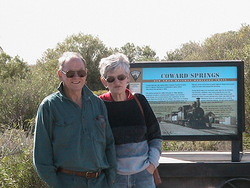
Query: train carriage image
[192, 116]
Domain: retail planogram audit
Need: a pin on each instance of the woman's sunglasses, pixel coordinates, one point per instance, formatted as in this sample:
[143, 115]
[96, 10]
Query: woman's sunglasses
[71, 74]
[111, 79]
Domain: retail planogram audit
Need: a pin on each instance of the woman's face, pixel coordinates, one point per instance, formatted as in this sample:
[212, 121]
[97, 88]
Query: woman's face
[116, 81]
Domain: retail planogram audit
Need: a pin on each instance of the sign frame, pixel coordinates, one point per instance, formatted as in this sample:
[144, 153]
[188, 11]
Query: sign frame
[137, 72]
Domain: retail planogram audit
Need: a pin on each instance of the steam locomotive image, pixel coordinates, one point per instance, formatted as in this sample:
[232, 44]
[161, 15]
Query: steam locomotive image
[192, 116]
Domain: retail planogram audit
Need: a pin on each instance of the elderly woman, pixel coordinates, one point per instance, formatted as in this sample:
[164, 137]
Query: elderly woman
[133, 123]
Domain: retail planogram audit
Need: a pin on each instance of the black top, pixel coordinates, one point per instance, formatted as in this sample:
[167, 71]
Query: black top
[128, 123]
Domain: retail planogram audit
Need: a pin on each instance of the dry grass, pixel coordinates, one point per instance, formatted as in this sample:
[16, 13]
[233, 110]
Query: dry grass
[197, 146]
[14, 141]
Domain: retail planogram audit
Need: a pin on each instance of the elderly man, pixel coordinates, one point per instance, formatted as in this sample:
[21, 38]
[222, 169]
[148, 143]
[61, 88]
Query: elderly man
[74, 146]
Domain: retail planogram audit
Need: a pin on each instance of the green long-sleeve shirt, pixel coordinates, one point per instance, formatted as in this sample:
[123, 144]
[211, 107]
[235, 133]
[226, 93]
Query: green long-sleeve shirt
[73, 138]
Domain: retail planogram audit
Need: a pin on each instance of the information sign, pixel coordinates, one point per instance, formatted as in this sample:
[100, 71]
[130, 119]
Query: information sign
[193, 100]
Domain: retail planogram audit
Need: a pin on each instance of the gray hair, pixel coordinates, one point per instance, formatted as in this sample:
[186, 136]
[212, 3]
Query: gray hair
[113, 62]
[66, 56]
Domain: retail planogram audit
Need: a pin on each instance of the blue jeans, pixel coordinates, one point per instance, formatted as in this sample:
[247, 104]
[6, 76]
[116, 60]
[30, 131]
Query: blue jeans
[141, 179]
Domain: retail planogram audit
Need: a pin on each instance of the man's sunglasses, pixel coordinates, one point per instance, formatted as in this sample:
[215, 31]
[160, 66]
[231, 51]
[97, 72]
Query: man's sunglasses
[71, 74]
[111, 79]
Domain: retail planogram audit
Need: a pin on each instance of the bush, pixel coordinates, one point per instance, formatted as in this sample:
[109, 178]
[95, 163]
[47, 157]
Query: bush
[19, 100]
[17, 171]
[14, 141]
[204, 145]
[196, 146]
[99, 92]
[16, 165]
[246, 141]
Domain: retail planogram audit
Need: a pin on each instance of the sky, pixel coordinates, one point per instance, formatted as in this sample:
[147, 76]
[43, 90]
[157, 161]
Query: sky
[29, 27]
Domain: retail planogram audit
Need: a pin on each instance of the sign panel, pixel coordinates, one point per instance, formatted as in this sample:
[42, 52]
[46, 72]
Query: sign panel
[193, 100]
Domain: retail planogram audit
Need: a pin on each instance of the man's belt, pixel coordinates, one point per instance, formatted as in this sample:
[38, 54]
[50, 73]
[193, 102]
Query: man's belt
[79, 173]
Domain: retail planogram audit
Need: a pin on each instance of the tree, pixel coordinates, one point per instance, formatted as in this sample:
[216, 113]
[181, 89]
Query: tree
[145, 53]
[231, 45]
[188, 51]
[129, 49]
[91, 48]
[12, 67]
[13, 72]
[137, 53]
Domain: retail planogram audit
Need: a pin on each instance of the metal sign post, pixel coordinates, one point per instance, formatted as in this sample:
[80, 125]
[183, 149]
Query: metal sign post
[237, 150]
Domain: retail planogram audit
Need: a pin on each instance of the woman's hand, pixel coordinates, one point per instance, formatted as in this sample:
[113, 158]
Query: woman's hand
[151, 168]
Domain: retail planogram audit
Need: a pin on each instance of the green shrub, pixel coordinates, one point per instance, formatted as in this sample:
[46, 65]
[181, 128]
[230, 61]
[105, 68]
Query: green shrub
[14, 141]
[99, 92]
[246, 141]
[19, 100]
[17, 171]
[16, 165]
[196, 146]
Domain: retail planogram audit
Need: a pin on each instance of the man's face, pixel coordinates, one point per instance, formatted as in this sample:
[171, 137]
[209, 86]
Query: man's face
[75, 82]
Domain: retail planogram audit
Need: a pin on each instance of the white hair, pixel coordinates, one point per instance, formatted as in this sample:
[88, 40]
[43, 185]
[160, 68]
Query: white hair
[113, 62]
[66, 56]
